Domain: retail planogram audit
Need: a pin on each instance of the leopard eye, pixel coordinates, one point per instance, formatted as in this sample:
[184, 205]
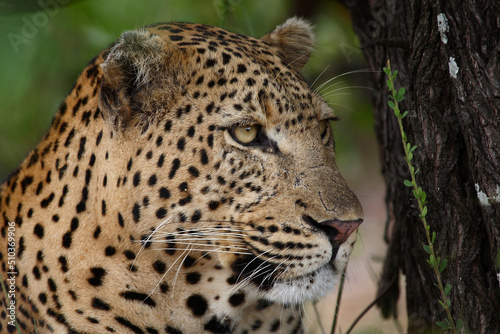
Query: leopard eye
[324, 128]
[245, 134]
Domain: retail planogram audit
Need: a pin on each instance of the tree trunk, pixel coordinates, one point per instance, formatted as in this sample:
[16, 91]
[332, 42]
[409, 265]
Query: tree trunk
[451, 70]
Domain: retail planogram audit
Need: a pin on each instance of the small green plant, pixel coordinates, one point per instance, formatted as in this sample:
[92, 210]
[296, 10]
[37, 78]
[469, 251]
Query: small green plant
[437, 263]
[339, 298]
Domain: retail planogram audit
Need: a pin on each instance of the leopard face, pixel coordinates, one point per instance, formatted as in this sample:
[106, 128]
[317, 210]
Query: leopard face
[187, 184]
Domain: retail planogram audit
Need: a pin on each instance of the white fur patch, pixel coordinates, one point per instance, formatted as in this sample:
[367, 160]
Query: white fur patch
[301, 289]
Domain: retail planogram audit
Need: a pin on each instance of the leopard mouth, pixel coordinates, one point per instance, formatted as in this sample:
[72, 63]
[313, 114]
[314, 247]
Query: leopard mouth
[269, 276]
[261, 273]
[266, 275]
[266, 268]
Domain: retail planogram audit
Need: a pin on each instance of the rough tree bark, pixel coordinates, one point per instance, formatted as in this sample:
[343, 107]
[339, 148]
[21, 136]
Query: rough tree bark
[452, 76]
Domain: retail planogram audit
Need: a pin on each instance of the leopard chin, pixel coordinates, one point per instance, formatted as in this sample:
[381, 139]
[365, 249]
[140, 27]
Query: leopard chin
[314, 285]
[307, 287]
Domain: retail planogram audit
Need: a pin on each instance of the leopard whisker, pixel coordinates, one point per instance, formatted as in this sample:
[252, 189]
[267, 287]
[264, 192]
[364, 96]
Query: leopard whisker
[279, 266]
[256, 273]
[255, 258]
[163, 276]
[187, 251]
[335, 91]
[305, 315]
[283, 272]
[291, 63]
[198, 234]
[249, 277]
[149, 238]
[205, 247]
[259, 271]
[332, 85]
[203, 231]
[203, 250]
[319, 75]
[269, 276]
[344, 106]
[205, 242]
[198, 239]
[318, 89]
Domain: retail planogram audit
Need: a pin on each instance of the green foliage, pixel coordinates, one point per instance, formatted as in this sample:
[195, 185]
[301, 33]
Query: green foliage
[437, 263]
[43, 52]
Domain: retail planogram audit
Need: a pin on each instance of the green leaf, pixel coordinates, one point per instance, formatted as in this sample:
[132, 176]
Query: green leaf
[424, 212]
[427, 249]
[433, 237]
[447, 287]
[390, 85]
[400, 94]
[387, 71]
[443, 325]
[408, 183]
[443, 265]
[404, 114]
[442, 304]
[459, 325]
[394, 74]
[391, 104]
[432, 259]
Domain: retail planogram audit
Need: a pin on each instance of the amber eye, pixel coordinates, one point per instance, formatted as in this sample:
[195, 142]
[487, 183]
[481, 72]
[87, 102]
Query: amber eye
[245, 134]
[324, 128]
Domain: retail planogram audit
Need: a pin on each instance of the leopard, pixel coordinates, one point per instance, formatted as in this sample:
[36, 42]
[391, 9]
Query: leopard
[187, 184]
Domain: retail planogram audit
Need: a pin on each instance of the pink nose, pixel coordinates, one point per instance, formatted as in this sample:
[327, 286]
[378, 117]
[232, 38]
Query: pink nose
[343, 228]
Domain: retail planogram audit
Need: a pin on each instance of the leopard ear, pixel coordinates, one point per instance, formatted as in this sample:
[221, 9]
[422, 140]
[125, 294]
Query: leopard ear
[139, 79]
[295, 40]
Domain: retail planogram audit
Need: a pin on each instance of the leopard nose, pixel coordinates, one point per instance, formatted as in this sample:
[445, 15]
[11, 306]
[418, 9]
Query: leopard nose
[341, 229]
[336, 230]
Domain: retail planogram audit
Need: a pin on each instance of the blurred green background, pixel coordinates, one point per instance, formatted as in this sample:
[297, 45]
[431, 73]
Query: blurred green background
[45, 44]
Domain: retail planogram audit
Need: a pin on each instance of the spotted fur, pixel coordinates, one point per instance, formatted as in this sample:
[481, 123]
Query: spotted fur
[140, 212]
